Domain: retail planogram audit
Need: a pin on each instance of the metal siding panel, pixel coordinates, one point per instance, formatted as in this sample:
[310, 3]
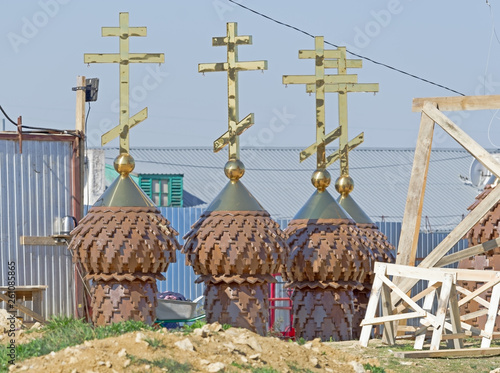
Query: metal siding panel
[35, 190]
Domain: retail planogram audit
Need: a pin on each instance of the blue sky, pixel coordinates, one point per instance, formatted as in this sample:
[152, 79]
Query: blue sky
[450, 42]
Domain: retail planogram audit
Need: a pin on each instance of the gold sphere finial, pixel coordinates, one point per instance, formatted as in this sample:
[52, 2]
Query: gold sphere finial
[321, 179]
[124, 164]
[344, 185]
[234, 169]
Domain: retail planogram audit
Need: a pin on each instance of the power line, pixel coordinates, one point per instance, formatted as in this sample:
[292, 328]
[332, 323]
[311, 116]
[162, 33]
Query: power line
[354, 54]
[190, 165]
[41, 129]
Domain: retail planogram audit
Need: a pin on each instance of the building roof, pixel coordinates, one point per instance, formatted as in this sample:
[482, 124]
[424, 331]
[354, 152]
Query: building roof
[282, 185]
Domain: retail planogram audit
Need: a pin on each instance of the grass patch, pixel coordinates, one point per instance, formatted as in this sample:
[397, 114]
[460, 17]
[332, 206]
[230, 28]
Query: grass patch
[155, 343]
[296, 369]
[196, 325]
[249, 368]
[163, 363]
[301, 341]
[62, 332]
[374, 369]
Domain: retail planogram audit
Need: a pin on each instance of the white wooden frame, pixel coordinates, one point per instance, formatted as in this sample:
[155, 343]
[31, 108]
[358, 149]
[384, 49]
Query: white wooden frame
[442, 281]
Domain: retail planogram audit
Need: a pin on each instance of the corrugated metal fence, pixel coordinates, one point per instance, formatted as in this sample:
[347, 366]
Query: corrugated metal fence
[34, 195]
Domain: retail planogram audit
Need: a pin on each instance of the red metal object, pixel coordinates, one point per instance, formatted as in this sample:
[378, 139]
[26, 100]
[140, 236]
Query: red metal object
[289, 331]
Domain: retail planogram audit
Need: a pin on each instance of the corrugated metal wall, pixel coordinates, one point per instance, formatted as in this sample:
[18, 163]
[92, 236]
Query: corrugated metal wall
[34, 193]
[180, 277]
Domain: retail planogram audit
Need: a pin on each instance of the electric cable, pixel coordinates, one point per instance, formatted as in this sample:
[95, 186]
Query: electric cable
[350, 52]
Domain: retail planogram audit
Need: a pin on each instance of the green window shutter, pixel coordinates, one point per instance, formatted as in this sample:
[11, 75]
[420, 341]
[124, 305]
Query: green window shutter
[176, 191]
[146, 185]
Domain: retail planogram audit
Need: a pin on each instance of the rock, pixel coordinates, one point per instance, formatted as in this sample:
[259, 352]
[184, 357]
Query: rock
[126, 363]
[244, 359]
[36, 326]
[101, 363]
[52, 353]
[197, 332]
[122, 353]
[147, 367]
[358, 367]
[204, 362]
[328, 370]
[24, 367]
[247, 340]
[140, 337]
[307, 345]
[72, 360]
[185, 344]
[254, 357]
[314, 362]
[230, 347]
[108, 364]
[497, 370]
[74, 371]
[233, 332]
[215, 367]
[214, 327]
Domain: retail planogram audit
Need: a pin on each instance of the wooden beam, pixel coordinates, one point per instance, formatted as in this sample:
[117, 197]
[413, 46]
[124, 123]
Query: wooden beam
[40, 241]
[459, 103]
[466, 253]
[463, 352]
[459, 135]
[23, 309]
[410, 229]
[453, 237]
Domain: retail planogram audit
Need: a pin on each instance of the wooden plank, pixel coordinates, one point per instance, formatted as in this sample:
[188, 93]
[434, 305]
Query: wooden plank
[492, 315]
[478, 291]
[416, 298]
[390, 318]
[410, 229]
[460, 136]
[427, 306]
[455, 318]
[444, 298]
[24, 309]
[431, 274]
[389, 332]
[459, 103]
[471, 251]
[39, 241]
[464, 352]
[405, 297]
[479, 300]
[453, 237]
[372, 306]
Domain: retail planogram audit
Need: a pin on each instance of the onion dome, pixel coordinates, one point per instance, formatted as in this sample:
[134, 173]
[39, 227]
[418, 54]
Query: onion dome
[485, 229]
[124, 244]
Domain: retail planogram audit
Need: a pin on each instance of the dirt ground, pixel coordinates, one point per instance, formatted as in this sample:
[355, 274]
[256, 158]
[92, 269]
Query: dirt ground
[209, 349]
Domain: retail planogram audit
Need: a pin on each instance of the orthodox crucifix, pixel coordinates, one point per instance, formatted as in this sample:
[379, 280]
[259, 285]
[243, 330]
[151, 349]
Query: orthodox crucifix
[235, 127]
[320, 83]
[124, 58]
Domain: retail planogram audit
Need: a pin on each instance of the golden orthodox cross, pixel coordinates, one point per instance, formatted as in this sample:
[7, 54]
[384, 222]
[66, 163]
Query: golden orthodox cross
[320, 83]
[124, 58]
[232, 66]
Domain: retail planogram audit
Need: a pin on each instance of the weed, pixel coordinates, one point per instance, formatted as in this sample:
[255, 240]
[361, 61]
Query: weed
[294, 368]
[196, 325]
[62, 332]
[155, 343]
[169, 364]
[374, 369]
[301, 341]
[226, 326]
